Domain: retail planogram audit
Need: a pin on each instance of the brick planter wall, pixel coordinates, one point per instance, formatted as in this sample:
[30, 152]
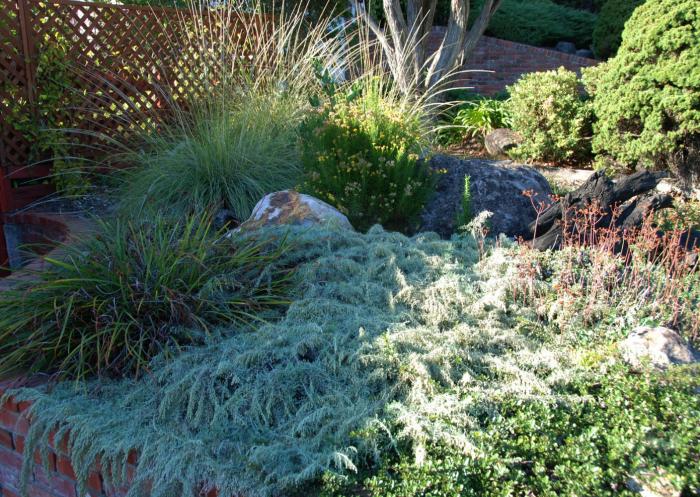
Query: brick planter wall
[508, 61]
[60, 481]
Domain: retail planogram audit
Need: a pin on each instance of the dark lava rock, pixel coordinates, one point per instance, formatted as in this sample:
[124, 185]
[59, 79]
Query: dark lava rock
[496, 186]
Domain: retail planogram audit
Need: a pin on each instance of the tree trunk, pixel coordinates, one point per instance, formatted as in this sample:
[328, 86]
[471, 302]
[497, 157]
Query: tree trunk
[406, 44]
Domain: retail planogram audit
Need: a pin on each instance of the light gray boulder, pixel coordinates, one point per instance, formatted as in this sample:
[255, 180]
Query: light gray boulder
[660, 346]
[292, 208]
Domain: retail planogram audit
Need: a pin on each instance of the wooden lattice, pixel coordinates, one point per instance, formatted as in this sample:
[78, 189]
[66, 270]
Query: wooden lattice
[126, 64]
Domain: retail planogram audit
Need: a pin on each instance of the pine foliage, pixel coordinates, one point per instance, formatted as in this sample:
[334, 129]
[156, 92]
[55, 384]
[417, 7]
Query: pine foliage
[389, 340]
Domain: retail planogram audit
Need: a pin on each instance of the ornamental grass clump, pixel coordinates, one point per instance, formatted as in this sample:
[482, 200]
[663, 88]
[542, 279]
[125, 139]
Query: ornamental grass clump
[107, 305]
[224, 129]
[225, 153]
[363, 152]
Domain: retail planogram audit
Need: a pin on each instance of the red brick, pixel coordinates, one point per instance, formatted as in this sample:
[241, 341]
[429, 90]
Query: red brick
[64, 467]
[59, 484]
[133, 457]
[94, 482]
[23, 406]
[62, 446]
[18, 441]
[9, 405]
[10, 467]
[8, 419]
[6, 491]
[6, 439]
[39, 459]
[34, 490]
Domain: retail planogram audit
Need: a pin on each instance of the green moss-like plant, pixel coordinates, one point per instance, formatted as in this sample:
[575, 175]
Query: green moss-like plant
[647, 98]
[607, 34]
[549, 113]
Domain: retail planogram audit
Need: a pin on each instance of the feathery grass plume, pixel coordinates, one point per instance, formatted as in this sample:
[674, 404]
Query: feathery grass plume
[389, 340]
[134, 290]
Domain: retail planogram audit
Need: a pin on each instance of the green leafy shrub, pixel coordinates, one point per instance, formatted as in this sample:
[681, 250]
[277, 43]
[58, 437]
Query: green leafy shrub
[549, 113]
[623, 425]
[590, 5]
[607, 34]
[132, 291]
[647, 98]
[541, 23]
[363, 155]
[475, 117]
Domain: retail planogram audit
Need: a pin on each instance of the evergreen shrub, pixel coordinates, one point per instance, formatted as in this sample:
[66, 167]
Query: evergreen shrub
[540, 23]
[647, 98]
[363, 154]
[548, 111]
[607, 34]
[534, 22]
[590, 446]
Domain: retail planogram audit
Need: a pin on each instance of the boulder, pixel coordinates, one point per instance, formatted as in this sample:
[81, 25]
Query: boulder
[660, 346]
[585, 53]
[652, 484]
[495, 186]
[290, 207]
[499, 141]
[565, 47]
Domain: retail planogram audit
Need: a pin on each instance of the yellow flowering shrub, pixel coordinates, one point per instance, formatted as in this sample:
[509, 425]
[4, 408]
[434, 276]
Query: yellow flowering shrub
[365, 157]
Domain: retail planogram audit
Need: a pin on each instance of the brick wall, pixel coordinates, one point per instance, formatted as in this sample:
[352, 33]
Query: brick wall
[507, 61]
[59, 481]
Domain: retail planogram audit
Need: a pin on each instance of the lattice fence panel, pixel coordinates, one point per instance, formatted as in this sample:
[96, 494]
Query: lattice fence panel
[14, 148]
[126, 66]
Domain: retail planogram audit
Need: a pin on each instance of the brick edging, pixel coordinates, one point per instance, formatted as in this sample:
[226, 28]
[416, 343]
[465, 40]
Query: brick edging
[60, 480]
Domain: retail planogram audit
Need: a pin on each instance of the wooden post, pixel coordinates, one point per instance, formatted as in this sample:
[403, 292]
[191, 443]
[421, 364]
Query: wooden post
[25, 30]
[4, 258]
